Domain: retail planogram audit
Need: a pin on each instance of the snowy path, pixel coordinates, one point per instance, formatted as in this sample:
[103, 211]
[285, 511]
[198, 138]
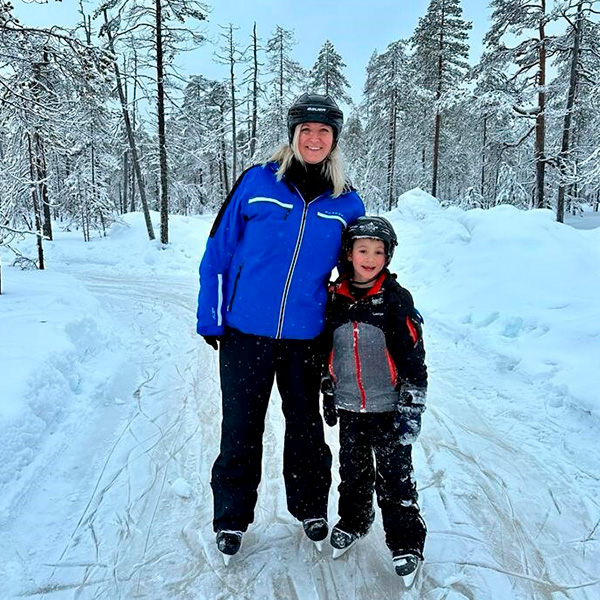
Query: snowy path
[508, 482]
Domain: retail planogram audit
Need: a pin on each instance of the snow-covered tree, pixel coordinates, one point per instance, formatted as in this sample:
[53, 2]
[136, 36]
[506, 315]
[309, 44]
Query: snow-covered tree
[578, 62]
[519, 43]
[284, 78]
[326, 75]
[161, 28]
[440, 55]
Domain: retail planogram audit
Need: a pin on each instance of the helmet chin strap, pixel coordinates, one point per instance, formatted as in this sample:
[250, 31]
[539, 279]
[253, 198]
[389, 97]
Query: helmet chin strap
[359, 283]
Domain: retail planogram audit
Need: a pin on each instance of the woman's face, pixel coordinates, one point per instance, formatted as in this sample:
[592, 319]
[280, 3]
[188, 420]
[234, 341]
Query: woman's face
[315, 141]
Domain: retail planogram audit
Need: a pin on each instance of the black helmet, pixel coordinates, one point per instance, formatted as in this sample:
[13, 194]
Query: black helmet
[315, 108]
[378, 228]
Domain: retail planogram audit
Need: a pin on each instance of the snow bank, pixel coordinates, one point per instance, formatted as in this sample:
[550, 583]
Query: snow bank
[61, 355]
[518, 281]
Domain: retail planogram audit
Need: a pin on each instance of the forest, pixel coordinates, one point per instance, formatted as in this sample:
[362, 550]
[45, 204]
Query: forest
[97, 121]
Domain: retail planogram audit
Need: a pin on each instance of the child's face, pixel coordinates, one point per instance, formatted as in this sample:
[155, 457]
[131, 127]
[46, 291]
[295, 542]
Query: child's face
[368, 258]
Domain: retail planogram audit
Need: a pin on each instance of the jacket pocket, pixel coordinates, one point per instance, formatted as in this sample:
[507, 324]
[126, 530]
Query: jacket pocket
[235, 284]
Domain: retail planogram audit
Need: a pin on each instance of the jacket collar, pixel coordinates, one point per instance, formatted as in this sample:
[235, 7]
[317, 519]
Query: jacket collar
[342, 287]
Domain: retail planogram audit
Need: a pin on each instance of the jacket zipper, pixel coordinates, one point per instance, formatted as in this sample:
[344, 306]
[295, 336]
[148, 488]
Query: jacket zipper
[363, 395]
[288, 281]
[235, 283]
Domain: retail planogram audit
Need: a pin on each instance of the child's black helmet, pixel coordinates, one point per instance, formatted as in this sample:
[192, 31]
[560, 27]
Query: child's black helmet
[378, 228]
[315, 108]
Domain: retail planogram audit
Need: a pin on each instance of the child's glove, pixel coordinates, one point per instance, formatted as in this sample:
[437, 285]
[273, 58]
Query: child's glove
[329, 410]
[407, 420]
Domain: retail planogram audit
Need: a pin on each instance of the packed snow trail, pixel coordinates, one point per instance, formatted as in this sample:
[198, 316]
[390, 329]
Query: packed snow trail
[121, 508]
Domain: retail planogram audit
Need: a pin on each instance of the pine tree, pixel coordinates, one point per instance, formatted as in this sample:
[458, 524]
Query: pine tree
[162, 28]
[326, 75]
[576, 58]
[284, 78]
[49, 80]
[231, 56]
[523, 24]
[440, 54]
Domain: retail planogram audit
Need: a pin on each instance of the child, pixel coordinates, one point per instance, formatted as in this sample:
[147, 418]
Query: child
[376, 385]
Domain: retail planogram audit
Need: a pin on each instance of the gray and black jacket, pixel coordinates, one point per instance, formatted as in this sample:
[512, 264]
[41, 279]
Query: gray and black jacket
[375, 345]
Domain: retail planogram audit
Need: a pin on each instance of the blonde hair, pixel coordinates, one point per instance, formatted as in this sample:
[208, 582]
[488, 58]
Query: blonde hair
[332, 167]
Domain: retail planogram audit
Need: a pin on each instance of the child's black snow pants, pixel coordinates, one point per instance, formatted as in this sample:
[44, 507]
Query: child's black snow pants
[248, 366]
[363, 435]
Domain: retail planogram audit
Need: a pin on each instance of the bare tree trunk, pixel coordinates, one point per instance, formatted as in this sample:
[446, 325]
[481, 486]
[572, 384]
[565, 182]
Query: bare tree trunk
[130, 136]
[483, 154]
[39, 155]
[540, 119]
[42, 175]
[162, 141]
[233, 101]
[134, 119]
[438, 116]
[391, 162]
[280, 98]
[254, 94]
[223, 169]
[566, 133]
[436, 152]
[125, 195]
[391, 166]
[35, 202]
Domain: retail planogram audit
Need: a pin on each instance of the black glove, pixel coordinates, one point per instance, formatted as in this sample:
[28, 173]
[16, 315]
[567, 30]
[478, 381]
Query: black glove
[212, 340]
[329, 410]
[407, 420]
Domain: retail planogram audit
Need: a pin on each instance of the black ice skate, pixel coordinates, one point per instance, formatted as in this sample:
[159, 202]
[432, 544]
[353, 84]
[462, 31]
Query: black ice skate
[407, 566]
[229, 542]
[316, 530]
[342, 541]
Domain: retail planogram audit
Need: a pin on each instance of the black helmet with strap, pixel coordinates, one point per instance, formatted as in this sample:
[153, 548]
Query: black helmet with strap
[315, 108]
[377, 228]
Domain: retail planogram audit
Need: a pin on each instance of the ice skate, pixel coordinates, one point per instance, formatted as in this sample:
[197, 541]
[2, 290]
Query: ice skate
[342, 541]
[229, 543]
[407, 566]
[316, 530]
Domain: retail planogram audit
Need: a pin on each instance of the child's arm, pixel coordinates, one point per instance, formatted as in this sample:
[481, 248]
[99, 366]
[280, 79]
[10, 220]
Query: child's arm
[405, 343]
[404, 339]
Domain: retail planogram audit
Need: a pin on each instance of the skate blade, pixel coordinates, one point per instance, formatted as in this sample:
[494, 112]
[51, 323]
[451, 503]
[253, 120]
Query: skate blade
[337, 552]
[408, 581]
[227, 557]
[318, 545]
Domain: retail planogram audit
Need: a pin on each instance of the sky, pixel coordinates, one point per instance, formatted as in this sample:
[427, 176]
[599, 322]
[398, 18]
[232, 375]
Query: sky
[356, 28]
[110, 413]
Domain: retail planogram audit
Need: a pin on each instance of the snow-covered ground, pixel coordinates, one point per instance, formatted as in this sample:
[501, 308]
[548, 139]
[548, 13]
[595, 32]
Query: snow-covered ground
[110, 411]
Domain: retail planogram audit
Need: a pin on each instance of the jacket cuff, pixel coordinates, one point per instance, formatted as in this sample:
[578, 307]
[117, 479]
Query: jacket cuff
[210, 330]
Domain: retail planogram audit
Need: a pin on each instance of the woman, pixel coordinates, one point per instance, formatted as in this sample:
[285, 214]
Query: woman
[262, 300]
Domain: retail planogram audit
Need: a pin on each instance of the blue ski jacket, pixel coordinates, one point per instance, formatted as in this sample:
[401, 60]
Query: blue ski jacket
[269, 257]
